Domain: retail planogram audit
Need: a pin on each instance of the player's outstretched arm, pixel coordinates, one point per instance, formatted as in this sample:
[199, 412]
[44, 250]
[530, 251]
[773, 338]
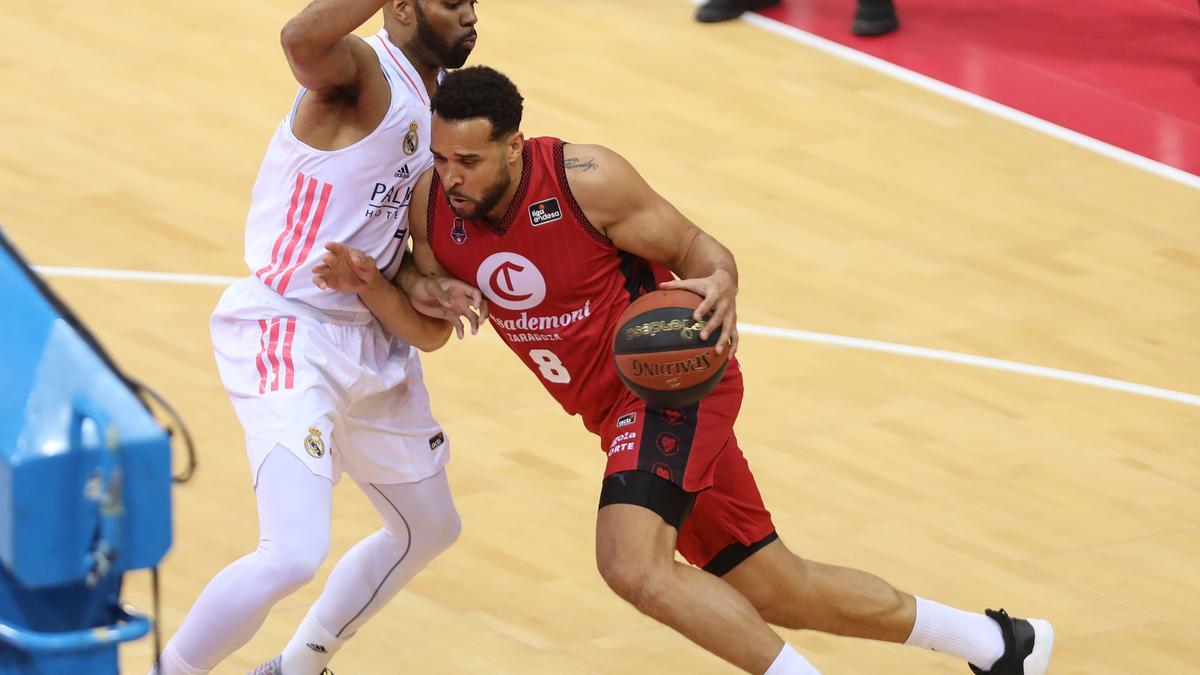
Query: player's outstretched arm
[321, 51]
[619, 202]
[349, 270]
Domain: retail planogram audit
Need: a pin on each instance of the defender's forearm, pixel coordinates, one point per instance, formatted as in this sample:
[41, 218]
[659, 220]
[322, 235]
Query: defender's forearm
[391, 306]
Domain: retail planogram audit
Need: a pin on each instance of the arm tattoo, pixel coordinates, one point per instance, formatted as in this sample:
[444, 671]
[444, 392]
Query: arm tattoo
[576, 163]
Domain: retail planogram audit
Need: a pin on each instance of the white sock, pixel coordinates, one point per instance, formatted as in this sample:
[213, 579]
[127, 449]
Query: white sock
[967, 635]
[171, 663]
[310, 649]
[790, 662]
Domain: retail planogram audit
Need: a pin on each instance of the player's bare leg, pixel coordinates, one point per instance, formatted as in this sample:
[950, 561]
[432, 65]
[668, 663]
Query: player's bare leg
[635, 551]
[792, 592]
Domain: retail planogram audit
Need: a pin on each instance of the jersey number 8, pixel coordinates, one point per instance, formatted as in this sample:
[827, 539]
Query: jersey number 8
[551, 368]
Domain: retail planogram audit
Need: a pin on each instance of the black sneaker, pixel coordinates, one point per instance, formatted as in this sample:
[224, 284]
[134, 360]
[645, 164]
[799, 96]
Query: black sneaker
[1027, 646]
[875, 17]
[724, 10]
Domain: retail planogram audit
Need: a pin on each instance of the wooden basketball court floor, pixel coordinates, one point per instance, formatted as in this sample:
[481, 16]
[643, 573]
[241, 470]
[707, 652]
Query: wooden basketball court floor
[857, 205]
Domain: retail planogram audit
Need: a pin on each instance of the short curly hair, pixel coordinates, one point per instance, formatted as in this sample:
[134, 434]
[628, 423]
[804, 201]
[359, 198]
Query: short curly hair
[479, 91]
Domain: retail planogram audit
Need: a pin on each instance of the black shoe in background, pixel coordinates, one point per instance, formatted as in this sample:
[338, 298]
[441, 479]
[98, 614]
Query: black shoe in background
[875, 17]
[724, 10]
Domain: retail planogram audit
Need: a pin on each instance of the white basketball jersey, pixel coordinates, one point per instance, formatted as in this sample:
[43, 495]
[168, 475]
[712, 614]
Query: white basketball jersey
[358, 195]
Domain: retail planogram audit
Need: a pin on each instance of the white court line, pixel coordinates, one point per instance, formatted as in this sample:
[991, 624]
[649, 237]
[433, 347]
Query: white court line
[746, 328]
[135, 275]
[973, 100]
[971, 360]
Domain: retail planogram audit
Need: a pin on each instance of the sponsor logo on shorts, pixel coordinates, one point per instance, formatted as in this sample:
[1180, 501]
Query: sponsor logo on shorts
[545, 211]
[626, 419]
[313, 443]
[316, 647]
[622, 442]
[663, 471]
[672, 416]
[436, 440]
[668, 444]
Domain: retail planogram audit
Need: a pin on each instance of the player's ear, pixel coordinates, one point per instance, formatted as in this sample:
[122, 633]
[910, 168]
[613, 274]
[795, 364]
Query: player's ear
[516, 144]
[401, 10]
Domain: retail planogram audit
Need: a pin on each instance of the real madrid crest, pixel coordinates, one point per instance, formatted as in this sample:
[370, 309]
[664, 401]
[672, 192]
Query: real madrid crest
[411, 140]
[313, 443]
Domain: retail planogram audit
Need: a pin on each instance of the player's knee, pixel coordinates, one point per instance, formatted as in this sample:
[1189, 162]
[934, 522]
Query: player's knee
[640, 584]
[286, 576]
[293, 565]
[427, 538]
[441, 532]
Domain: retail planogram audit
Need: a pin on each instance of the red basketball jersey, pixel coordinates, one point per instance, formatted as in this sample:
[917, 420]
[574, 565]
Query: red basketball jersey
[556, 286]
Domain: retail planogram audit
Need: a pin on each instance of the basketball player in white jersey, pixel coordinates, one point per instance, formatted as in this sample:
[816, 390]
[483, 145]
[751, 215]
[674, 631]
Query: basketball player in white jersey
[319, 386]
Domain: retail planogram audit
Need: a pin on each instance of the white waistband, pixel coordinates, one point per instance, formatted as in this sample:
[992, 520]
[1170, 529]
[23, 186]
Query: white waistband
[268, 296]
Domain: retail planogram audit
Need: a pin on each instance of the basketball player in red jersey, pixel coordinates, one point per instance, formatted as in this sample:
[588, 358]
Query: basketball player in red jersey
[561, 238]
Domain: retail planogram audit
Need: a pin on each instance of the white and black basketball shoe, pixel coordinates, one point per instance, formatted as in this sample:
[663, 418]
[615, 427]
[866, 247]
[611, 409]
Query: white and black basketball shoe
[1027, 646]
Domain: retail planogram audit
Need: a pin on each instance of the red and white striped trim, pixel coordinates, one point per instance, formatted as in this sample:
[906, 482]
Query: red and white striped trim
[412, 84]
[274, 360]
[289, 369]
[303, 228]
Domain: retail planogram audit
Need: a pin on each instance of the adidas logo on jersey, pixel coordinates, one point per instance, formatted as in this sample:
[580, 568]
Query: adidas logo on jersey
[402, 172]
[545, 211]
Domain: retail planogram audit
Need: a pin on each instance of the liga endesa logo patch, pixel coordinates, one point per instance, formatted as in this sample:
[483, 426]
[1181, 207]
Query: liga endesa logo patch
[545, 211]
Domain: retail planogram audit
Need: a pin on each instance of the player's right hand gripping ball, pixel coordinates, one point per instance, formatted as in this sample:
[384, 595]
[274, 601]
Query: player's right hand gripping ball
[659, 353]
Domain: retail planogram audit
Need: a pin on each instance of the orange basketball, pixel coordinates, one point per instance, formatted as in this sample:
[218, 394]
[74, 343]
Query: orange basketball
[659, 353]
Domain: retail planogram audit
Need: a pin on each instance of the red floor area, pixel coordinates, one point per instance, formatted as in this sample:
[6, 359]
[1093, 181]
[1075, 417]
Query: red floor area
[1126, 72]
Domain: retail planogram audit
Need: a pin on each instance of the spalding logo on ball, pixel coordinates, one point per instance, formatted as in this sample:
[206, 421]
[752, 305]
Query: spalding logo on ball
[659, 353]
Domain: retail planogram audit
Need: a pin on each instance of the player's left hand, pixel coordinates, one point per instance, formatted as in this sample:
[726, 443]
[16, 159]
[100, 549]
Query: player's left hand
[451, 300]
[344, 269]
[719, 306]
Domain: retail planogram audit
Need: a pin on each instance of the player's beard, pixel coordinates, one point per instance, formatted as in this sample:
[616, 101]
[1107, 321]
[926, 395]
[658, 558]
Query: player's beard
[448, 55]
[481, 207]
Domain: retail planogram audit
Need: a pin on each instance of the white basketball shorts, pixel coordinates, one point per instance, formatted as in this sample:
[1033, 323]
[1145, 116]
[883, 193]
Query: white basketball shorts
[343, 397]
